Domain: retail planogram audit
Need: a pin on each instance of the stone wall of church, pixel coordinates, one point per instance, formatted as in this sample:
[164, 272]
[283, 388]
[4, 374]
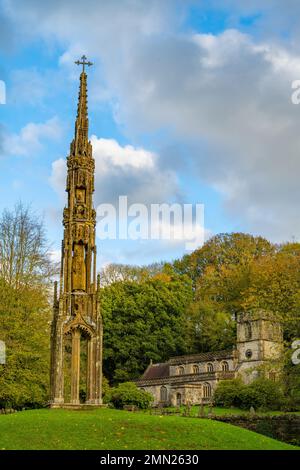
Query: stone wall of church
[203, 367]
[250, 351]
[155, 391]
[182, 394]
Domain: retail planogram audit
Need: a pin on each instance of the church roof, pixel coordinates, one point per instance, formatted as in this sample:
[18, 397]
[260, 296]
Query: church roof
[162, 370]
[156, 371]
[202, 357]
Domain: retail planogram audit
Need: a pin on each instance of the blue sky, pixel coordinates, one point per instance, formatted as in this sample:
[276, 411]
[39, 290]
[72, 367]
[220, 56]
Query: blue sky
[201, 89]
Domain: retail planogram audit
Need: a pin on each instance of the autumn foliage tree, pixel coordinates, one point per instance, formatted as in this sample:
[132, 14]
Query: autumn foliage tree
[220, 273]
[26, 270]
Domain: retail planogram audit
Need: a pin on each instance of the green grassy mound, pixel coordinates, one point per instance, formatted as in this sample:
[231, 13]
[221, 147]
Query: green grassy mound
[220, 411]
[112, 429]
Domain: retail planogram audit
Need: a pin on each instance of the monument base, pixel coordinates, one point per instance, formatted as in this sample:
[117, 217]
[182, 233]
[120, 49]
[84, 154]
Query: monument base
[79, 406]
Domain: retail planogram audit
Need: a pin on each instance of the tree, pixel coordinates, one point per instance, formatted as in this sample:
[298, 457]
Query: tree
[208, 328]
[115, 272]
[229, 393]
[291, 381]
[224, 249]
[236, 273]
[25, 257]
[274, 285]
[24, 327]
[143, 320]
[25, 313]
[220, 273]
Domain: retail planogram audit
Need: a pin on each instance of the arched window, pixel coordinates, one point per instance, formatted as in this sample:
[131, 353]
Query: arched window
[206, 390]
[209, 367]
[180, 370]
[225, 366]
[248, 331]
[195, 369]
[163, 394]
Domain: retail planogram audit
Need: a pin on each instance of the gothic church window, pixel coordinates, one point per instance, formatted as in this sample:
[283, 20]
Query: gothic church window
[180, 370]
[195, 369]
[163, 394]
[225, 366]
[248, 331]
[209, 367]
[206, 390]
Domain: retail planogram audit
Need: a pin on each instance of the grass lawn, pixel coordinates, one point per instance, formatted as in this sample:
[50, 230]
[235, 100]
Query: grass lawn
[219, 411]
[111, 429]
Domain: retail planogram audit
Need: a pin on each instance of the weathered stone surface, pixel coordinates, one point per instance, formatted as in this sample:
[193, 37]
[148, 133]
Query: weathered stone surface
[76, 309]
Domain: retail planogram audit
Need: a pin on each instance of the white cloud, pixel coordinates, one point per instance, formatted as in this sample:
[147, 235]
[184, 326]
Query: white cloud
[110, 154]
[31, 137]
[233, 95]
[122, 170]
[58, 175]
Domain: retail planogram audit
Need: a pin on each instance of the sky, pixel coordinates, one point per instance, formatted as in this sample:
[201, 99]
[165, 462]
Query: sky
[189, 102]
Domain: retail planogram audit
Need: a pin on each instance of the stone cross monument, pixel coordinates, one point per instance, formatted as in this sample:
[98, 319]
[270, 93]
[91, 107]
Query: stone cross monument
[76, 309]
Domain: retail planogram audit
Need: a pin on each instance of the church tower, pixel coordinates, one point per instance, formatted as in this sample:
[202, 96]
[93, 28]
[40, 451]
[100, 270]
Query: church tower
[76, 310]
[259, 343]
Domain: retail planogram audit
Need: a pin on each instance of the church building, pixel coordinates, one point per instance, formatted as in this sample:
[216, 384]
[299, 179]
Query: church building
[193, 378]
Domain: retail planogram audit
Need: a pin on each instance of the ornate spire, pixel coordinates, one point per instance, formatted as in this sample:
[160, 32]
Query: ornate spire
[80, 144]
[76, 310]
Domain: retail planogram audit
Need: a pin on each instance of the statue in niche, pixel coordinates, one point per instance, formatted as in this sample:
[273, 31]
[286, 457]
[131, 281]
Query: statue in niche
[80, 196]
[81, 179]
[78, 268]
[80, 211]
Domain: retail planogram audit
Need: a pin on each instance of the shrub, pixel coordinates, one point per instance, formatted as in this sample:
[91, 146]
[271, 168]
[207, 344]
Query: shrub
[128, 393]
[105, 388]
[291, 378]
[228, 393]
[261, 393]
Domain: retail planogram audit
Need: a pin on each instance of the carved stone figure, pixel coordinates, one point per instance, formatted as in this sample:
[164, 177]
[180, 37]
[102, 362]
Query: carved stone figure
[78, 268]
[80, 196]
[81, 179]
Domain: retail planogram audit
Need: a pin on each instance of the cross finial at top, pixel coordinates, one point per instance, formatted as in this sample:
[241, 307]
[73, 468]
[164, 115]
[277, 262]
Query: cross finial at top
[83, 62]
